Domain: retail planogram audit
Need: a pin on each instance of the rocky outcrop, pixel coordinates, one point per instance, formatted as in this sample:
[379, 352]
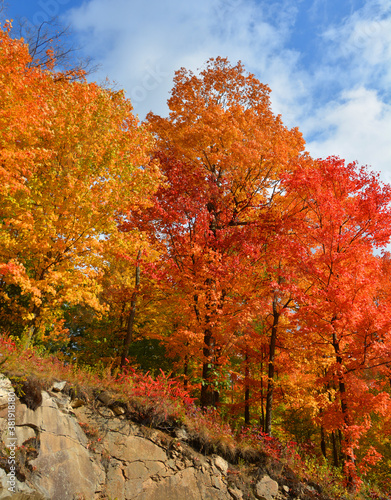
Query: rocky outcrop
[66, 449]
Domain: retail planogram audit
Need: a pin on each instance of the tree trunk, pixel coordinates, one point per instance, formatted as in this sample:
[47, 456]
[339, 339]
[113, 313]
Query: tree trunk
[323, 442]
[209, 396]
[185, 373]
[348, 458]
[270, 380]
[262, 417]
[335, 450]
[246, 392]
[129, 333]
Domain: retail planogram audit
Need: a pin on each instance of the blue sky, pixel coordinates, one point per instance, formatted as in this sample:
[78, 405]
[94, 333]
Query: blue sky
[328, 62]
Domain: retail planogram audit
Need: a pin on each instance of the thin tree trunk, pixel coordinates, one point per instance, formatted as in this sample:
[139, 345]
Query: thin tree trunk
[322, 437]
[246, 392]
[262, 417]
[335, 450]
[209, 396]
[129, 333]
[185, 373]
[348, 458]
[323, 442]
[270, 374]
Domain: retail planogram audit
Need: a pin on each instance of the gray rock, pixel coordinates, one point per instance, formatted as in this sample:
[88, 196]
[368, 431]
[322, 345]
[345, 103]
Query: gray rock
[19, 491]
[76, 403]
[59, 386]
[118, 410]
[105, 398]
[221, 464]
[266, 489]
[106, 456]
[235, 493]
[181, 434]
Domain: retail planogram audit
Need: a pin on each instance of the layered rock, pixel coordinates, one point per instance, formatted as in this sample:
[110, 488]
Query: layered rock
[67, 450]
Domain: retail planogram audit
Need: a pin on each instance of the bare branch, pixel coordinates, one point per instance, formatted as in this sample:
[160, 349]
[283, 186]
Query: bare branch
[51, 45]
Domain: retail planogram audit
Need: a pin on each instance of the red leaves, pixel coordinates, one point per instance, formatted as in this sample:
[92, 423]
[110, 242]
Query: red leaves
[342, 213]
[261, 260]
[221, 151]
[155, 396]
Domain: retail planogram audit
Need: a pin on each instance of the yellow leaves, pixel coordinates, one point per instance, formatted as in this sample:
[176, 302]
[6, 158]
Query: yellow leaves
[70, 163]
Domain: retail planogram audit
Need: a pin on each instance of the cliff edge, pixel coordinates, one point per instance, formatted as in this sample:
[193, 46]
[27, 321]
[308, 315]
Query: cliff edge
[59, 445]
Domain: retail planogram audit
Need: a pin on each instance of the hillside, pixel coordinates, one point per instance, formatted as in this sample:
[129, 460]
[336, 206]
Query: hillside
[70, 446]
[80, 436]
[197, 273]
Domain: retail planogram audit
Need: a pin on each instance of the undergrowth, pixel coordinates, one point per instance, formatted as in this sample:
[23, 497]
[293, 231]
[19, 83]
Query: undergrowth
[162, 402]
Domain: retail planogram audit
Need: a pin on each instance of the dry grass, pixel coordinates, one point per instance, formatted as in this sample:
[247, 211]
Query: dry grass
[161, 403]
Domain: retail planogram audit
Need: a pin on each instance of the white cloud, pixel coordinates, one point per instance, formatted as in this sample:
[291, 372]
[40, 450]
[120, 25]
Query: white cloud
[357, 127]
[356, 123]
[140, 44]
[362, 43]
[337, 100]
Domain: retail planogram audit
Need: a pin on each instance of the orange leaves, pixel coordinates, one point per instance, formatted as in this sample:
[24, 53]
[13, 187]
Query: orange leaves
[221, 125]
[51, 60]
[221, 151]
[70, 165]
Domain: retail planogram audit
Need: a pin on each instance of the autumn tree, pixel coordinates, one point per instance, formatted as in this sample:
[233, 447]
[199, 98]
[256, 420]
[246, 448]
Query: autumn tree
[51, 45]
[343, 322]
[70, 165]
[132, 309]
[221, 150]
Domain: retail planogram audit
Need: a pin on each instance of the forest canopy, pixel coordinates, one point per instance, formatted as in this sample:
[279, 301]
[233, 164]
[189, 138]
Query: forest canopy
[207, 243]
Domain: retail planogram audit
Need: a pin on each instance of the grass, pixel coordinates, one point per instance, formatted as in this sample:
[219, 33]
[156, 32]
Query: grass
[162, 403]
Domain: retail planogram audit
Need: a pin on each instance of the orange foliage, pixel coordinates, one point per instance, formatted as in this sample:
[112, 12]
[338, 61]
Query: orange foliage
[70, 166]
[255, 260]
[221, 150]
